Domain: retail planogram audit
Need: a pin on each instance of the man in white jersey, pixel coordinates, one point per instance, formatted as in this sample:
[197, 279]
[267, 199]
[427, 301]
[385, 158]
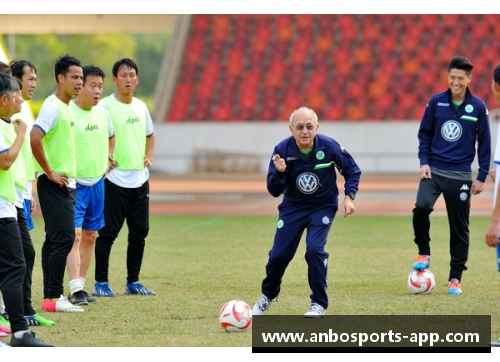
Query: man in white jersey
[12, 264]
[25, 72]
[53, 145]
[95, 141]
[126, 186]
[493, 231]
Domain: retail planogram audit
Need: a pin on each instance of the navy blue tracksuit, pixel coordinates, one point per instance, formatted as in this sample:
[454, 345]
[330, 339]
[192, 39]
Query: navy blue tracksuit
[309, 186]
[447, 143]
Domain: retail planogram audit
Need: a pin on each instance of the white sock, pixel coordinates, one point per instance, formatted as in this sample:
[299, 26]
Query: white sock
[83, 280]
[75, 285]
[3, 305]
[20, 334]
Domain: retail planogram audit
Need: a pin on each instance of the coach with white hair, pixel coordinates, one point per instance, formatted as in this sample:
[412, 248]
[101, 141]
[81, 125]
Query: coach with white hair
[302, 168]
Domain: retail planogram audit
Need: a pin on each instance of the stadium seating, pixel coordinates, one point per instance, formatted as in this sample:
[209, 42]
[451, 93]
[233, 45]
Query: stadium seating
[260, 67]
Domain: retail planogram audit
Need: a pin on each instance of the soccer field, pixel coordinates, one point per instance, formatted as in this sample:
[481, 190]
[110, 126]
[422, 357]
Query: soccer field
[196, 264]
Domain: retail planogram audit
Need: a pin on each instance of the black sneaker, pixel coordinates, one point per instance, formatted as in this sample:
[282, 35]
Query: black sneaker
[78, 298]
[89, 298]
[28, 340]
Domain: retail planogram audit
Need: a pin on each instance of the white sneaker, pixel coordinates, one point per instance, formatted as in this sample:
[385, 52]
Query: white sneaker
[64, 305]
[316, 311]
[262, 305]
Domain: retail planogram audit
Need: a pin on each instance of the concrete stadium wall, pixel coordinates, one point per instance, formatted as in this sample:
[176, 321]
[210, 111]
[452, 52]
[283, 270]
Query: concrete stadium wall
[378, 147]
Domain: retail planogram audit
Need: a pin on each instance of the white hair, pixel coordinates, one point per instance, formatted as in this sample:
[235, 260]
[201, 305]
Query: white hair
[315, 116]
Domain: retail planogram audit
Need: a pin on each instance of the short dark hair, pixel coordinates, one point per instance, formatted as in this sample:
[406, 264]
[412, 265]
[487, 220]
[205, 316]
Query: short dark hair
[496, 74]
[460, 63]
[92, 70]
[8, 85]
[63, 63]
[125, 61]
[17, 67]
[5, 68]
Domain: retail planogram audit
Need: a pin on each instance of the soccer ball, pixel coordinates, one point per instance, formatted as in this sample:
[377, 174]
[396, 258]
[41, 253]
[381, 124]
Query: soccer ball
[235, 316]
[421, 282]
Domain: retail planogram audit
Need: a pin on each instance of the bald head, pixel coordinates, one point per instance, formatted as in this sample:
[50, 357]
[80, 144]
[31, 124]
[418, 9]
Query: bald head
[304, 113]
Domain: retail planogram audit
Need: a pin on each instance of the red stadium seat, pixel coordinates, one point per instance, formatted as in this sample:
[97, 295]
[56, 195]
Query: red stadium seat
[411, 66]
[356, 113]
[375, 90]
[356, 90]
[429, 21]
[388, 43]
[316, 101]
[222, 113]
[362, 56]
[450, 21]
[334, 113]
[244, 114]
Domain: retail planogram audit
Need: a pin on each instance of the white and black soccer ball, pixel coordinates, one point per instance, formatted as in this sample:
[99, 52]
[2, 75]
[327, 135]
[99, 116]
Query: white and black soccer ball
[421, 282]
[235, 316]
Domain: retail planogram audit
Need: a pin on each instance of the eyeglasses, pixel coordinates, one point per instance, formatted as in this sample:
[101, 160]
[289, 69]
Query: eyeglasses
[309, 127]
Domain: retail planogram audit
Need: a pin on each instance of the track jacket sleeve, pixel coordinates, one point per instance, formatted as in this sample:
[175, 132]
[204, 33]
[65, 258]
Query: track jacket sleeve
[276, 181]
[426, 133]
[483, 145]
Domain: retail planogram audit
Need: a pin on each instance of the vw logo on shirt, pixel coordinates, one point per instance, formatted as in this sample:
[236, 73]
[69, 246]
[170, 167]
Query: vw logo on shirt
[451, 131]
[307, 182]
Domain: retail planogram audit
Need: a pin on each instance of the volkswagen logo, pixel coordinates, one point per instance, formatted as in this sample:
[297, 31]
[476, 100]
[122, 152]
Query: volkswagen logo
[451, 131]
[307, 182]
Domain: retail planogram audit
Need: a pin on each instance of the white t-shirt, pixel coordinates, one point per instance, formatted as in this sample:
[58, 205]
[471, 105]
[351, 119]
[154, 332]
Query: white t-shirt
[6, 208]
[135, 178]
[46, 120]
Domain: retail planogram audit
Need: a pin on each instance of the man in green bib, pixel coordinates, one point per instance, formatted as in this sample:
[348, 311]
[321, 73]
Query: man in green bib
[95, 141]
[53, 145]
[127, 185]
[12, 263]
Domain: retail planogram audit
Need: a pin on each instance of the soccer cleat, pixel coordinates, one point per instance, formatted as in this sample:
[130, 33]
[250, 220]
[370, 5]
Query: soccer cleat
[4, 322]
[315, 311]
[89, 298]
[262, 305]
[4, 329]
[102, 289]
[3, 344]
[28, 340]
[137, 288]
[422, 262]
[3, 334]
[37, 320]
[60, 304]
[494, 343]
[454, 286]
[78, 298]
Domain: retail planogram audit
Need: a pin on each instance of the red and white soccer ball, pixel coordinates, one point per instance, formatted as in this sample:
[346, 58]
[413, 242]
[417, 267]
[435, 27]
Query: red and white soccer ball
[421, 282]
[235, 316]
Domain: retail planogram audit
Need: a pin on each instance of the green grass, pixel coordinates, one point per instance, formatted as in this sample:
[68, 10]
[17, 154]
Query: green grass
[196, 264]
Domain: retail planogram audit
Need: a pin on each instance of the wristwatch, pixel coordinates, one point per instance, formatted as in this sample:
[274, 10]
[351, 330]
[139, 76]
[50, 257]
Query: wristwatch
[111, 157]
[351, 194]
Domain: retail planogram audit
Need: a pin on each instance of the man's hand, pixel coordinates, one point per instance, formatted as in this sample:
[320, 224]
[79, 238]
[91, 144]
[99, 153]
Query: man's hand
[477, 187]
[279, 163]
[61, 180]
[348, 206]
[424, 172]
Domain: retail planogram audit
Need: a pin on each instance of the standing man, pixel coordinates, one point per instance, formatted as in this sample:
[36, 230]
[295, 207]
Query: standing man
[452, 123]
[493, 232]
[12, 264]
[94, 143]
[303, 169]
[25, 73]
[53, 145]
[127, 185]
